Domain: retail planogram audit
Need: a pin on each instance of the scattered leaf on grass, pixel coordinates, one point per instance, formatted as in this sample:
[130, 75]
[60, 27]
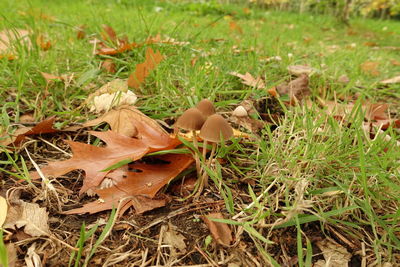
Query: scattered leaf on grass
[3, 210]
[43, 43]
[33, 218]
[249, 80]
[19, 135]
[370, 67]
[334, 254]
[296, 89]
[298, 70]
[93, 159]
[11, 37]
[143, 69]
[174, 240]
[391, 80]
[139, 180]
[220, 231]
[32, 259]
[80, 33]
[233, 26]
[109, 34]
[395, 62]
[343, 79]
[109, 66]
[51, 77]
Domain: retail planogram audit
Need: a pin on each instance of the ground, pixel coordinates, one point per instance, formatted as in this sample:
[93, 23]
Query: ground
[310, 176]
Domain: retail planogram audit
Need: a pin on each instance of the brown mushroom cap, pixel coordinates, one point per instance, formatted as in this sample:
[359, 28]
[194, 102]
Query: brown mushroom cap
[206, 107]
[191, 119]
[214, 127]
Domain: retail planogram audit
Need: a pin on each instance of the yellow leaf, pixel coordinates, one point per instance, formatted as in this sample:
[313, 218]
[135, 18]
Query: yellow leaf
[3, 210]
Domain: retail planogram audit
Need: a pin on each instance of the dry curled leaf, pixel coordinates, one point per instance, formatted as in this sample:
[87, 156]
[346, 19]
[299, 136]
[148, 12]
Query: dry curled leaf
[143, 69]
[296, 89]
[334, 254]
[298, 70]
[391, 80]
[174, 240]
[139, 180]
[19, 135]
[220, 231]
[11, 37]
[33, 218]
[249, 80]
[109, 66]
[370, 67]
[3, 210]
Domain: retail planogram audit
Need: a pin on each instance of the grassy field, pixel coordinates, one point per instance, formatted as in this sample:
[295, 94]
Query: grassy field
[309, 177]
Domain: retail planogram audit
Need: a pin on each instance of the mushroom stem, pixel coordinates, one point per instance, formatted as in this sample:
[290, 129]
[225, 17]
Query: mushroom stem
[196, 155]
[204, 178]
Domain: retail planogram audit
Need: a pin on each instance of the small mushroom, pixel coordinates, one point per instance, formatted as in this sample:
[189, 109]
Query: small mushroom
[239, 111]
[192, 120]
[206, 107]
[214, 129]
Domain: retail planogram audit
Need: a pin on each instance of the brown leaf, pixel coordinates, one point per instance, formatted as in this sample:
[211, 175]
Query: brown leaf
[128, 119]
[19, 135]
[43, 43]
[109, 66]
[391, 80]
[233, 26]
[28, 215]
[142, 180]
[299, 70]
[51, 77]
[249, 80]
[220, 231]
[143, 69]
[174, 240]
[334, 253]
[370, 67]
[296, 89]
[93, 159]
[109, 33]
[80, 33]
[7, 39]
[395, 62]
[123, 47]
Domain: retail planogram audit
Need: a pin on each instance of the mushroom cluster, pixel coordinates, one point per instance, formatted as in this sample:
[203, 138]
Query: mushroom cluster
[213, 128]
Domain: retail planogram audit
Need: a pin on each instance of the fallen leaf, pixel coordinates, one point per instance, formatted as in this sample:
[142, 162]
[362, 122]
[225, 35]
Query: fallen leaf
[220, 231]
[174, 240]
[51, 77]
[334, 254]
[3, 210]
[141, 180]
[43, 43]
[123, 47]
[129, 120]
[167, 40]
[395, 62]
[27, 118]
[298, 70]
[109, 66]
[370, 67]
[296, 89]
[233, 26]
[343, 79]
[11, 37]
[46, 126]
[249, 80]
[109, 34]
[33, 218]
[391, 80]
[32, 259]
[11, 255]
[92, 159]
[80, 33]
[143, 69]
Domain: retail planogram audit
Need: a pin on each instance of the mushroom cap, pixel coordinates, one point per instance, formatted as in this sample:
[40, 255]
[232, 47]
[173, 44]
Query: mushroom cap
[191, 119]
[239, 111]
[215, 127]
[206, 107]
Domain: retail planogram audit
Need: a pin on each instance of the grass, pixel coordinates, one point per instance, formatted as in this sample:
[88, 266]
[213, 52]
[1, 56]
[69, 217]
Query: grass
[311, 177]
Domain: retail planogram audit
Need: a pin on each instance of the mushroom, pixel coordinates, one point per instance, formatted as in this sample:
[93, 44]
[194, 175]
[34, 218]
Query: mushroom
[192, 120]
[206, 107]
[213, 130]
